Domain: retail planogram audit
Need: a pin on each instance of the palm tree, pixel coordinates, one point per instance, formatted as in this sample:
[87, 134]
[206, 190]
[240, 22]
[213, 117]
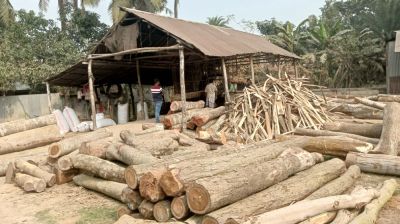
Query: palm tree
[153, 6]
[6, 12]
[289, 36]
[176, 6]
[218, 21]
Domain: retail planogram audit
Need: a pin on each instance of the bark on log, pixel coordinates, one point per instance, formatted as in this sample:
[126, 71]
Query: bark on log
[96, 148]
[323, 218]
[281, 194]
[176, 119]
[162, 211]
[388, 98]
[13, 127]
[29, 139]
[301, 210]
[132, 198]
[146, 209]
[123, 210]
[210, 137]
[367, 130]
[345, 216]
[129, 155]
[154, 129]
[339, 185]
[127, 219]
[68, 145]
[218, 124]
[328, 145]
[177, 105]
[371, 210]
[316, 133]
[179, 207]
[3, 168]
[375, 163]
[356, 110]
[146, 126]
[370, 103]
[109, 188]
[99, 167]
[64, 163]
[211, 193]
[27, 168]
[30, 183]
[206, 126]
[390, 137]
[202, 118]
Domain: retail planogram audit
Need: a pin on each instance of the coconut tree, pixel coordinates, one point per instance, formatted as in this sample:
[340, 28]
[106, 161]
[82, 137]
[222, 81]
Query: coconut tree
[6, 12]
[153, 6]
[219, 21]
[176, 6]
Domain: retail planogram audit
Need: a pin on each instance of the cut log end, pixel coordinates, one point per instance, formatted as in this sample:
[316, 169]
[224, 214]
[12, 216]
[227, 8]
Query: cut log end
[149, 187]
[210, 220]
[131, 197]
[162, 211]
[171, 185]
[123, 210]
[54, 151]
[198, 199]
[146, 209]
[179, 207]
[131, 177]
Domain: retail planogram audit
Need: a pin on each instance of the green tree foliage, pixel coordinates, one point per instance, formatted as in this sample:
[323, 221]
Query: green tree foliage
[6, 13]
[221, 21]
[153, 6]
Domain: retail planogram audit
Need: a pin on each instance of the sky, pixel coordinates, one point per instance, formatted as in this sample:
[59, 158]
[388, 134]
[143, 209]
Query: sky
[198, 10]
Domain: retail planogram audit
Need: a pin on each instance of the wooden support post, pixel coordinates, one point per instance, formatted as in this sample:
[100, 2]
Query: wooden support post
[91, 89]
[296, 74]
[279, 67]
[49, 97]
[253, 80]
[227, 97]
[182, 82]
[141, 94]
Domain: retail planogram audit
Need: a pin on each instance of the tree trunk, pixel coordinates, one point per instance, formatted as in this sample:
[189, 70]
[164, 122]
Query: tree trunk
[177, 105]
[210, 193]
[129, 155]
[25, 167]
[162, 211]
[357, 110]
[146, 209]
[149, 185]
[344, 216]
[367, 130]
[370, 103]
[109, 188]
[375, 163]
[390, 137]
[179, 207]
[202, 118]
[96, 148]
[281, 194]
[64, 163]
[99, 167]
[123, 210]
[316, 133]
[29, 139]
[127, 219]
[329, 145]
[371, 210]
[176, 119]
[323, 218]
[13, 127]
[301, 210]
[30, 183]
[339, 185]
[69, 145]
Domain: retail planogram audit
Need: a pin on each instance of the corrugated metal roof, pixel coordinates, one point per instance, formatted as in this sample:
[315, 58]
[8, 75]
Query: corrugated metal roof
[397, 46]
[212, 40]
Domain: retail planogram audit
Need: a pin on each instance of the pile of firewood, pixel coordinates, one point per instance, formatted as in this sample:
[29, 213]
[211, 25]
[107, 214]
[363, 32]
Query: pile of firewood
[277, 107]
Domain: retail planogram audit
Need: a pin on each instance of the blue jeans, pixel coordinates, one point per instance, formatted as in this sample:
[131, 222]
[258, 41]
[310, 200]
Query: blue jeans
[157, 110]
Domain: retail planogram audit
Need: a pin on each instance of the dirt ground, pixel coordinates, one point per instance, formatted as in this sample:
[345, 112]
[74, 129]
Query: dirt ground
[70, 204]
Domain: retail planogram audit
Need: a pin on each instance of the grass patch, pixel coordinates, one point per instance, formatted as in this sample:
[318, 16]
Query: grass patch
[97, 215]
[44, 217]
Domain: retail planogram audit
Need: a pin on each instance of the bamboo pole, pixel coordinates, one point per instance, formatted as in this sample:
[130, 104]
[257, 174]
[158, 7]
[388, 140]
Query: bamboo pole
[49, 97]
[182, 82]
[134, 51]
[253, 80]
[91, 89]
[279, 67]
[141, 94]
[227, 97]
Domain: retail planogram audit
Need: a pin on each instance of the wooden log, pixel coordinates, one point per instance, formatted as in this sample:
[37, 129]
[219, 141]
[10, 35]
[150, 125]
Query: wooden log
[176, 119]
[196, 219]
[64, 163]
[179, 207]
[202, 118]
[315, 133]
[13, 127]
[323, 218]
[339, 185]
[177, 105]
[154, 129]
[390, 139]
[123, 210]
[129, 155]
[30, 183]
[29, 139]
[27, 168]
[375, 163]
[344, 216]
[162, 211]
[206, 126]
[149, 185]
[146, 126]
[10, 173]
[218, 124]
[388, 98]
[132, 198]
[357, 110]
[69, 145]
[371, 210]
[329, 145]
[96, 148]
[190, 125]
[146, 209]
[99, 167]
[370, 103]
[367, 130]
[279, 195]
[210, 137]
[3, 168]
[63, 177]
[109, 188]
[127, 219]
[210, 193]
[301, 210]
